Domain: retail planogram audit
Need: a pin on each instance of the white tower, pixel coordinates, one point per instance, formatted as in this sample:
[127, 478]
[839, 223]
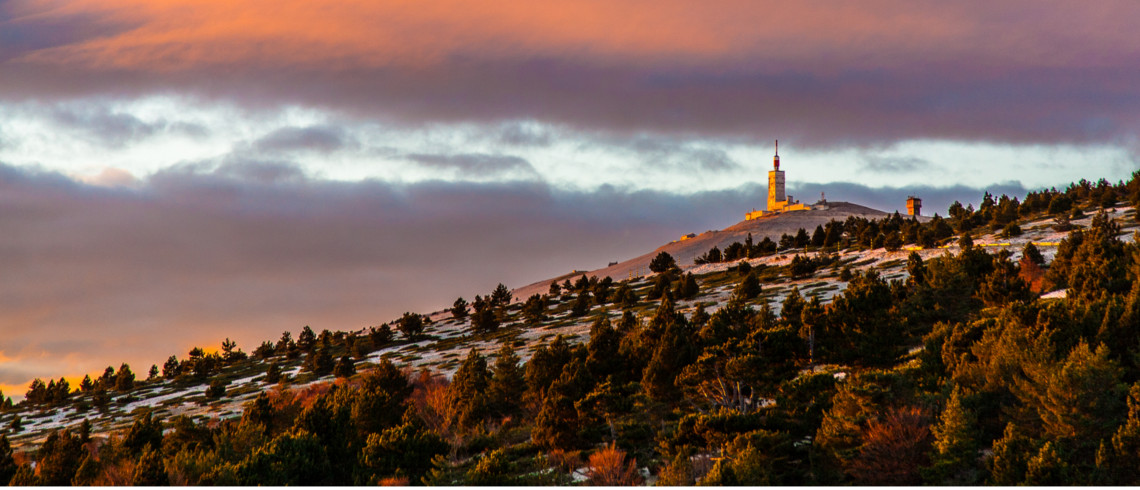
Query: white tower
[776, 198]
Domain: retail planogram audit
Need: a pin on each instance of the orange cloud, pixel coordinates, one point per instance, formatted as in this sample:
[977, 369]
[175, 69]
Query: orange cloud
[171, 35]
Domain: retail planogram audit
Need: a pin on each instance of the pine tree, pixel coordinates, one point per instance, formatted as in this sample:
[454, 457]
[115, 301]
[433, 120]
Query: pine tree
[125, 379]
[273, 374]
[88, 471]
[459, 309]
[150, 471]
[662, 262]
[1084, 398]
[8, 464]
[171, 368]
[467, 395]
[501, 296]
[748, 289]
[320, 362]
[955, 445]
[507, 384]
[411, 325]
[1048, 468]
[307, 339]
[1011, 457]
[345, 368]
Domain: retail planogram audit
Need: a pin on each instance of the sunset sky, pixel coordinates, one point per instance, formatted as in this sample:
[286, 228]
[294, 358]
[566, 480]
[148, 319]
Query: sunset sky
[174, 172]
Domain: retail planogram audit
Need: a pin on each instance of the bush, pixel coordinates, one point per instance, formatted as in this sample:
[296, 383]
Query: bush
[662, 262]
[411, 325]
[217, 389]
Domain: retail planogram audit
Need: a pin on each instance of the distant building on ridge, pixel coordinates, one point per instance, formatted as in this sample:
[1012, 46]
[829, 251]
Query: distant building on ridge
[913, 206]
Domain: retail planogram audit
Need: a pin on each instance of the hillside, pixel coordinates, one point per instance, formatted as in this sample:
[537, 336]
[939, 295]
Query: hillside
[526, 389]
[685, 251]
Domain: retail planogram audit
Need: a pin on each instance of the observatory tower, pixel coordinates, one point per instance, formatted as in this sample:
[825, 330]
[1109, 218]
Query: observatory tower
[778, 201]
[776, 198]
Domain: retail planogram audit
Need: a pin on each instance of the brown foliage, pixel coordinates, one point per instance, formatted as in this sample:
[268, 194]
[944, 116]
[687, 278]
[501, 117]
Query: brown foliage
[567, 461]
[1033, 275]
[608, 467]
[894, 448]
[429, 396]
[117, 475]
[394, 481]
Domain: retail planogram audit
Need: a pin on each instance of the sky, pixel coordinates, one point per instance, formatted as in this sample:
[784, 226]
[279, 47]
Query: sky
[175, 172]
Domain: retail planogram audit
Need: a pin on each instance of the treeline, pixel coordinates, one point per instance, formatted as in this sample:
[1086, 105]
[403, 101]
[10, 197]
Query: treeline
[894, 232]
[957, 375]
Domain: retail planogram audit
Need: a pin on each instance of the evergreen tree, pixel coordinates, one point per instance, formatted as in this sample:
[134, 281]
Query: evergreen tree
[748, 289]
[1125, 454]
[1011, 457]
[459, 309]
[467, 395]
[59, 458]
[1084, 398]
[306, 340]
[145, 431]
[534, 310]
[88, 471]
[171, 368]
[1048, 468]
[273, 373]
[581, 305]
[125, 379]
[345, 368]
[150, 472]
[411, 325]
[955, 445]
[403, 451]
[8, 464]
[320, 362]
[507, 383]
[501, 296]
[662, 262]
[380, 336]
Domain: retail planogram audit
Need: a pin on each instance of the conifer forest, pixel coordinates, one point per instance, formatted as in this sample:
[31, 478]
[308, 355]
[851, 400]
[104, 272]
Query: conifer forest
[893, 351]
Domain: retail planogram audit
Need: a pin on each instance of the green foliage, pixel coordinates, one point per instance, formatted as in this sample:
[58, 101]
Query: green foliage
[217, 389]
[1084, 397]
[748, 289]
[411, 325]
[467, 395]
[320, 362]
[58, 458]
[507, 384]
[150, 471]
[403, 451]
[293, 458]
[8, 464]
[492, 469]
[459, 309]
[344, 368]
[955, 445]
[662, 262]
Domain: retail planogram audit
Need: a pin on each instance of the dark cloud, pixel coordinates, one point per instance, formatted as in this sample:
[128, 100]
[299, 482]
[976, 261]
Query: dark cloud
[105, 126]
[324, 139]
[521, 134]
[475, 164]
[100, 123]
[655, 152]
[893, 165]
